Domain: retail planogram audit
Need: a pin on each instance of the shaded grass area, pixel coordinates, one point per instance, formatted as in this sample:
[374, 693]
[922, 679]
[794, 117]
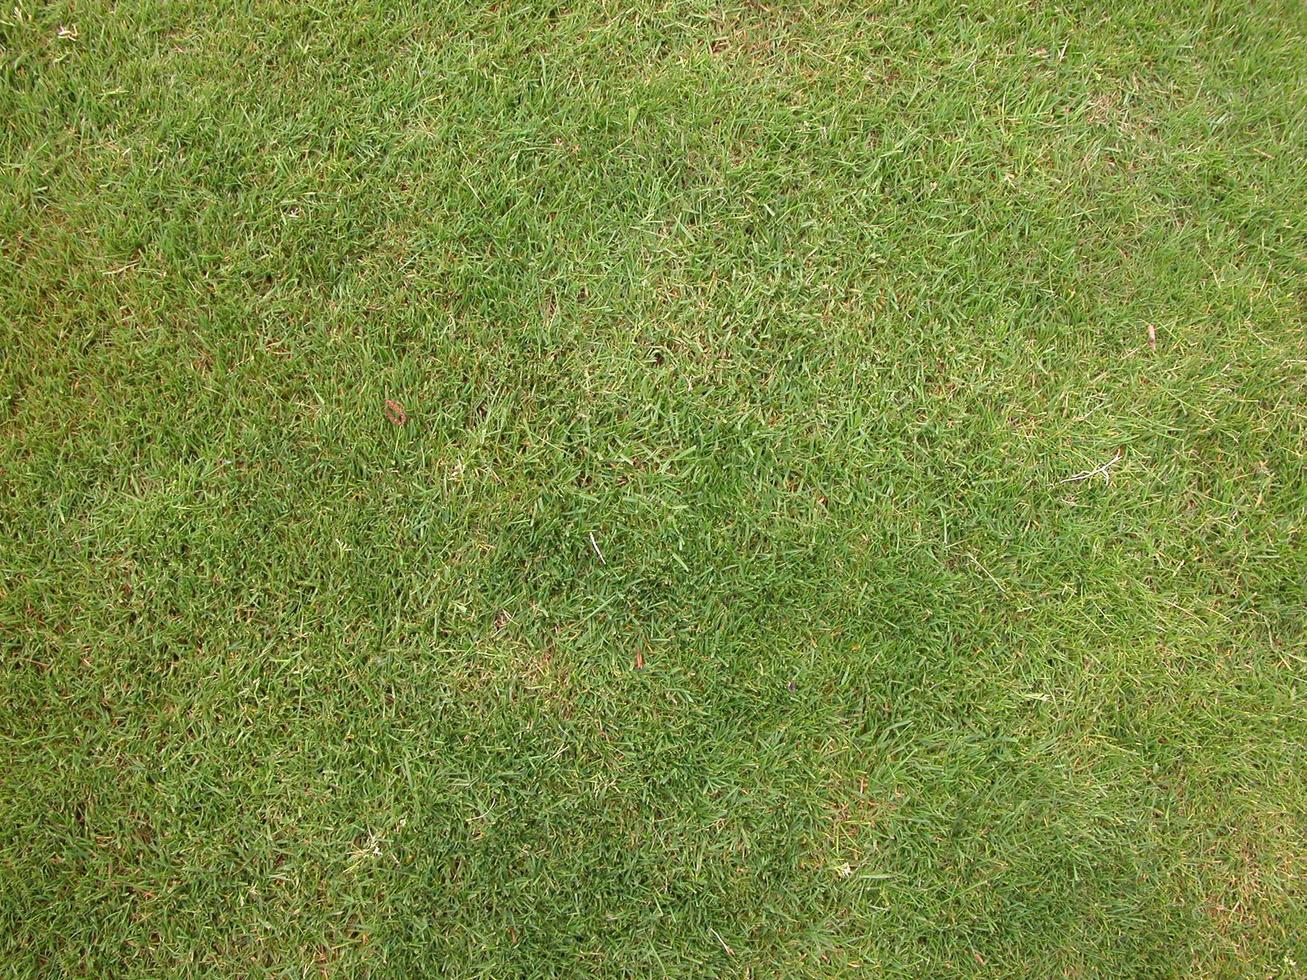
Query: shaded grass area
[754, 345]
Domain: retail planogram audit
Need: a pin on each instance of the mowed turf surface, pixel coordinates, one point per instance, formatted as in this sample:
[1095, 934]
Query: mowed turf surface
[724, 592]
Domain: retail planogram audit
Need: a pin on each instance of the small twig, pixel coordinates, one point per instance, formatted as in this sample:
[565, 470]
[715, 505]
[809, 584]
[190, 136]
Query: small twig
[1096, 471]
[1000, 585]
[595, 545]
[729, 951]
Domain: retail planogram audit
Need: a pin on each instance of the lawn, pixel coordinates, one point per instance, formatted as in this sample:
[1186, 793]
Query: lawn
[656, 488]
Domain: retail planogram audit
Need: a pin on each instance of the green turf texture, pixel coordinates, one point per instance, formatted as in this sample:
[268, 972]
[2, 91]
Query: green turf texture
[727, 602]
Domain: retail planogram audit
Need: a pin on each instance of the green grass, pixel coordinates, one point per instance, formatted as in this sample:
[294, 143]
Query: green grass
[752, 344]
